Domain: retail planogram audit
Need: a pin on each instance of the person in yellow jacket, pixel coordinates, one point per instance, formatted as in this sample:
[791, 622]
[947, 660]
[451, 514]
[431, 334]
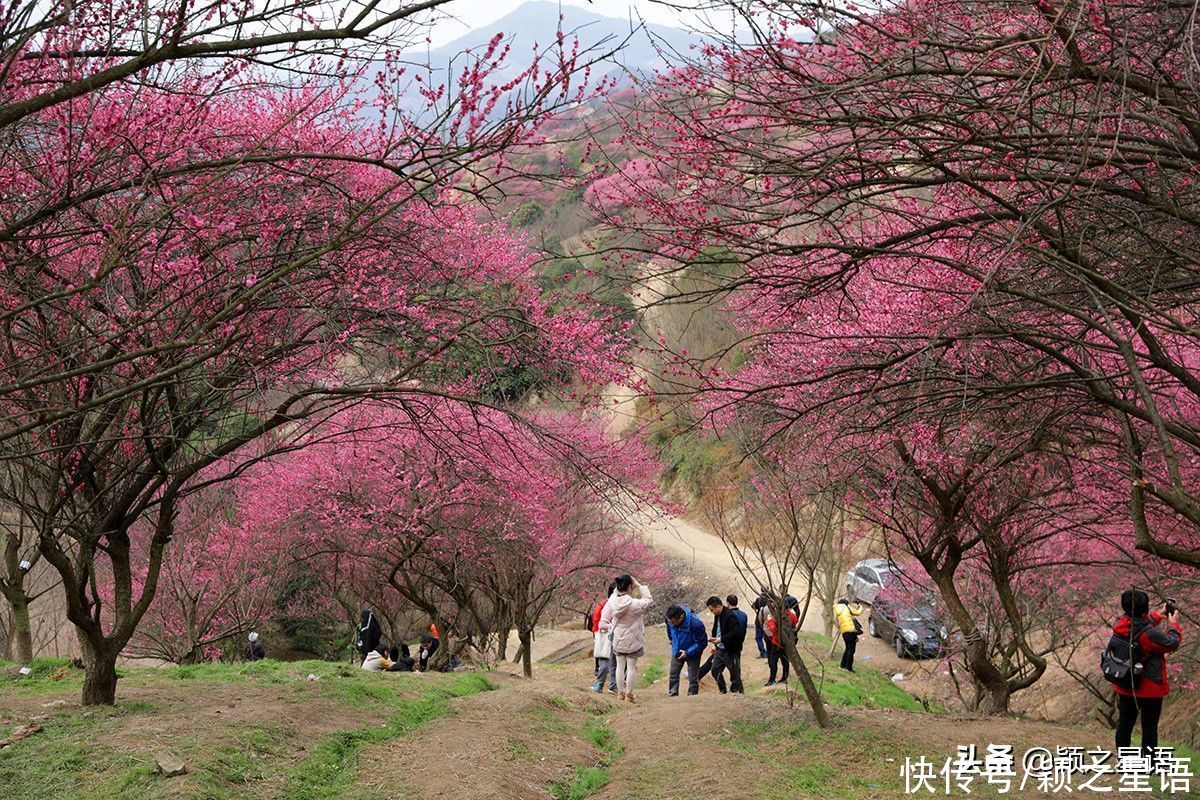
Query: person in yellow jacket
[844, 613]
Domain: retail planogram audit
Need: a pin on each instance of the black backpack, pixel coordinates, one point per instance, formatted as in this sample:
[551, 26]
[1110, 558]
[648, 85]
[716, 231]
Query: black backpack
[369, 633]
[1121, 661]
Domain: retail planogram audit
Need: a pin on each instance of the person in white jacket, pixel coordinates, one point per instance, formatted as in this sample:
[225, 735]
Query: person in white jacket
[376, 661]
[625, 614]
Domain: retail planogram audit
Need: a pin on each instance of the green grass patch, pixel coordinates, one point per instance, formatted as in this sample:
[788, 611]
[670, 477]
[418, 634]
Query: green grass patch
[866, 687]
[232, 767]
[655, 670]
[584, 783]
[518, 749]
[586, 780]
[798, 759]
[72, 757]
[42, 669]
[689, 457]
[604, 739]
[41, 679]
[63, 761]
[546, 719]
[330, 768]
[264, 671]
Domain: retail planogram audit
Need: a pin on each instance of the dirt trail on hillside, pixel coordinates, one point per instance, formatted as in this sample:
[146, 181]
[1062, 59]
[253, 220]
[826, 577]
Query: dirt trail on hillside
[524, 738]
[518, 741]
[708, 557]
[1055, 697]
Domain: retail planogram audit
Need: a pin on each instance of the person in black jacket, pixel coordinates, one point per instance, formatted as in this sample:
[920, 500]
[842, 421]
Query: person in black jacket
[735, 685]
[254, 650]
[429, 646]
[401, 658]
[728, 634]
[369, 634]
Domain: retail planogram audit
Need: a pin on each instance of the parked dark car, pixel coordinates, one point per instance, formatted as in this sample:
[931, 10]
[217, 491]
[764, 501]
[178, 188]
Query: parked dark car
[914, 630]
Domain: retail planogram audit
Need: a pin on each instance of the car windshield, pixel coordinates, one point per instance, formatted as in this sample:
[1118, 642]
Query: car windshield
[917, 617]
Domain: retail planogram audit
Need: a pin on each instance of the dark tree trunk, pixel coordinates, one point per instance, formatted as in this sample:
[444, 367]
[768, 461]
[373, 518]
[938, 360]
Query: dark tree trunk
[21, 647]
[991, 682]
[502, 643]
[100, 674]
[997, 698]
[788, 638]
[525, 636]
[442, 656]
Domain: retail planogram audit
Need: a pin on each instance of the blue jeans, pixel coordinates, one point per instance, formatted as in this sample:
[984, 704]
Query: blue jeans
[760, 639]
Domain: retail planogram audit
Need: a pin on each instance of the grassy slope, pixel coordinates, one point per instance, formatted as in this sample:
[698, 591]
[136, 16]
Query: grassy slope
[867, 687]
[780, 751]
[301, 743]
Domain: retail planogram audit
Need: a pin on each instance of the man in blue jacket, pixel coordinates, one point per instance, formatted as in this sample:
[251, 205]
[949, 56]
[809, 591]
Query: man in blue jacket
[688, 638]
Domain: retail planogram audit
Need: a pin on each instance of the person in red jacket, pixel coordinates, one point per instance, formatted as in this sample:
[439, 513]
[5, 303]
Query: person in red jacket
[1153, 641]
[775, 652]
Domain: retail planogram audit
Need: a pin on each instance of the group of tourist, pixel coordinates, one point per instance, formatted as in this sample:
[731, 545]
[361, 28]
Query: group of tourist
[689, 637]
[398, 657]
[617, 623]
[618, 626]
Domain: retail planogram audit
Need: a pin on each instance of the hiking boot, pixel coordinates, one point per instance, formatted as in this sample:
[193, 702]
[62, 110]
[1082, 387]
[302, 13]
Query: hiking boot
[769, 683]
[597, 688]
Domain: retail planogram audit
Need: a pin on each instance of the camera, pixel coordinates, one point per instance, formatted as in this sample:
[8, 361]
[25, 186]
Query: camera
[1172, 605]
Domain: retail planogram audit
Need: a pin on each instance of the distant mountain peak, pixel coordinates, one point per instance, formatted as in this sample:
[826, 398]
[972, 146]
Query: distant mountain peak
[538, 21]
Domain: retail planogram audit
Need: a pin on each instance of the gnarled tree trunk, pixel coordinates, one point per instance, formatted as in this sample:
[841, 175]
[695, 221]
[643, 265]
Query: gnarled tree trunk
[21, 646]
[100, 673]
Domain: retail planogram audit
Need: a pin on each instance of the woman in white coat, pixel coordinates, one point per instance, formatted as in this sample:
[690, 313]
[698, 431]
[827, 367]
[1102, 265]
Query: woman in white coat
[625, 614]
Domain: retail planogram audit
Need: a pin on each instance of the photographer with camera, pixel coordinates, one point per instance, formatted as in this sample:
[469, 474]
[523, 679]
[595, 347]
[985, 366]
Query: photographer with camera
[1143, 689]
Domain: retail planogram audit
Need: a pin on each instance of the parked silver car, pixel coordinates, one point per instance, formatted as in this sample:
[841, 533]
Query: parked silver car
[866, 578]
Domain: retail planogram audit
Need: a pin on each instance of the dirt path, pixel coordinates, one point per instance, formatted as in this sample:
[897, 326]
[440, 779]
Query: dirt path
[708, 557]
[530, 736]
[1055, 697]
[518, 740]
